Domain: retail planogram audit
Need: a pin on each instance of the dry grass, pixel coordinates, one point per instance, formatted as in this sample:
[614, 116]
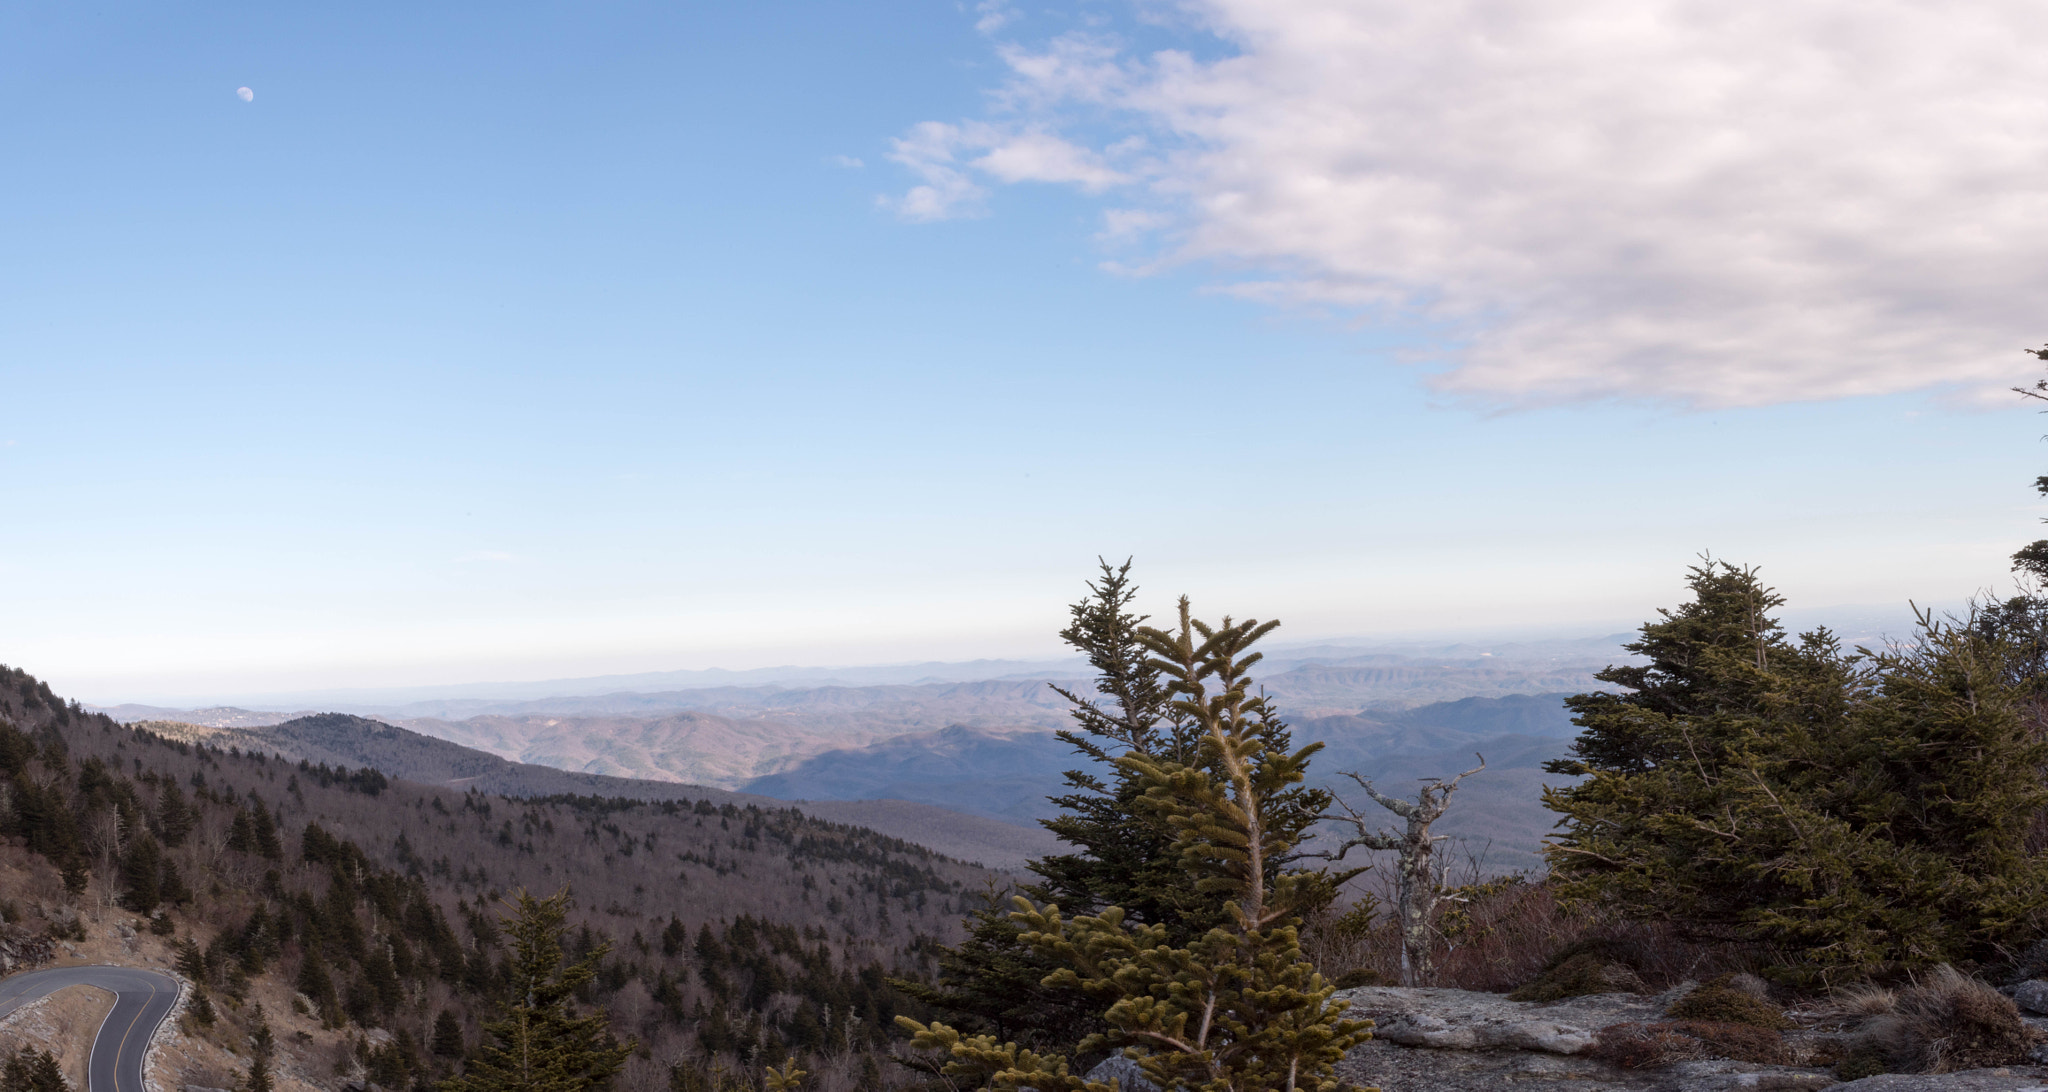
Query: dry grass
[1506, 932]
[1649, 1046]
[1945, 1023]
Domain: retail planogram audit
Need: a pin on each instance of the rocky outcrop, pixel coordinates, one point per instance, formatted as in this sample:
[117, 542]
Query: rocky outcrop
[1441, 1040]
[21, 949]
[1445, 1019]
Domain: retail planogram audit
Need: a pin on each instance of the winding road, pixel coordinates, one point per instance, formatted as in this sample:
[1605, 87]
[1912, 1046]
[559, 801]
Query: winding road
[141, 1001]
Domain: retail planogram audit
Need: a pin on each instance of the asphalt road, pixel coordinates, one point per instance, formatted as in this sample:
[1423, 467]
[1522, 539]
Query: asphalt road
[141, 1001]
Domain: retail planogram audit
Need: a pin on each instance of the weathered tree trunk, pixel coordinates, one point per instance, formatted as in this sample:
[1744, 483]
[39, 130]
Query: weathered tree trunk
[1417, 884]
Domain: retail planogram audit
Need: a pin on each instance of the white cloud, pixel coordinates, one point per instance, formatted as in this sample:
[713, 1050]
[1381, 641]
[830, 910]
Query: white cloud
[850, 162]
[1726, 203]
[930, 150]
[993, 15]
[1042, 157]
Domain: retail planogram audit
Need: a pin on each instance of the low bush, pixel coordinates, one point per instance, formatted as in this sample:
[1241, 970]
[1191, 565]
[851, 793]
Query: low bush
[1648, 1046]
[1946, 1023]
[1722, 1001]
[1867, 1060]
[1362, 976]
[1579, 975]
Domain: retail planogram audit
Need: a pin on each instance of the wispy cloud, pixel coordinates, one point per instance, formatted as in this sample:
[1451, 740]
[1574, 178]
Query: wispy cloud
[848, 161]
[1739, 203]
[950, 157]
[993, 15]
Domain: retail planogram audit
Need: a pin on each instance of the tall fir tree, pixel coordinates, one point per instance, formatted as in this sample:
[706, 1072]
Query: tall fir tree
[1124, 851]
[1845, 813]
[539, 1044]
[1237, 1009]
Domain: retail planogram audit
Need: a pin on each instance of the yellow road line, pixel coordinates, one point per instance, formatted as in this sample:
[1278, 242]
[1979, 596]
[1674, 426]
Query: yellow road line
[123, 1046]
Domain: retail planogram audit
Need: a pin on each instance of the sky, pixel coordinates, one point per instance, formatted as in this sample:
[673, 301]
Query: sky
[393, 345]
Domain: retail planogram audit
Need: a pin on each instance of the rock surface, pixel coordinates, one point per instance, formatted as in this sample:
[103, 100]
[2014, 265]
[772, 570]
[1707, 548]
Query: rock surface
[2031, 996]
[2014, 1079]
[1464, 1020]
[21, 949]
[1439, 1040]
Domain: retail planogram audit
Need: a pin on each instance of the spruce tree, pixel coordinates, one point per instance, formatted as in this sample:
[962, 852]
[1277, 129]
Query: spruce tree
[447, 1042]
[141, 873]
[31, 1070]
[1847, 813]
[174, 817]
[993, 983]
[1125, 851]
[1238, 1008]
[539, 1045]
[1124, 854]
[262, 1045]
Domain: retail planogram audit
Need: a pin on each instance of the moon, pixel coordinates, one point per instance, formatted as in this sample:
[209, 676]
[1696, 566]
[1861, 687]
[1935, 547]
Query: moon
[245, 94]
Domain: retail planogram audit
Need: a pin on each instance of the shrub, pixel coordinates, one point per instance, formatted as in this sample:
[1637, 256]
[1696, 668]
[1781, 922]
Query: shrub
[1363, 976]
[1647, 1046]
[1949, 1022]
[1600, 965]
[1867, 1060]
[1721, 1002]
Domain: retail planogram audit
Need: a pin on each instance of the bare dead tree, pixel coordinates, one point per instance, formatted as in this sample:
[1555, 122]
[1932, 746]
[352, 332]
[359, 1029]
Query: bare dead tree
[1420, 884]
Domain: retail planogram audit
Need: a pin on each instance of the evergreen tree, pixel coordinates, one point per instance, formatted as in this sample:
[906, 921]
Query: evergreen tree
[259, 1079]
[318, 985]
[447, 1041]
[1239, 1008]
[1125, 856]
[202, 1008]
[993, 983]
[31, 1070]
[1849, 813]
[539, 1045]
[174, 817]
[263, 830]
[142, 873]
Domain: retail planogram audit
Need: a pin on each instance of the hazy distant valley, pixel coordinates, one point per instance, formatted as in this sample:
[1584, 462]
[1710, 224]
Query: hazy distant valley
[981, 747]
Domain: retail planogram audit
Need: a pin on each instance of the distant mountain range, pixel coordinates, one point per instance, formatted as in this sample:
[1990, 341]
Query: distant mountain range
[1008, 773]
[991, 782]
[981, 747]
[339, 739]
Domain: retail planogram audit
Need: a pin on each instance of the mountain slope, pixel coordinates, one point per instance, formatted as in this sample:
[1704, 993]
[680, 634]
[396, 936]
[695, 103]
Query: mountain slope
[1009, 774]
[359, 913]
[342, 740]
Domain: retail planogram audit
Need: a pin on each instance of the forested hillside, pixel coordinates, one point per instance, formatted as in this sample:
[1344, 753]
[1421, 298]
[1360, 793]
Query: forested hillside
[339, 739]
[736, 935]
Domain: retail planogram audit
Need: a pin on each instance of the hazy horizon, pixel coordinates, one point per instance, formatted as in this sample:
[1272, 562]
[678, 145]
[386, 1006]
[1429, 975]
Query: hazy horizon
[1854, 623]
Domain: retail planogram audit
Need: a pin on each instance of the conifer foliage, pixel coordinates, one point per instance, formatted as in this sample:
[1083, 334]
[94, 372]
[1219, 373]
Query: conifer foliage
[1847, 812]
[1237, 1008]
[539, 1044]
[31, 1070]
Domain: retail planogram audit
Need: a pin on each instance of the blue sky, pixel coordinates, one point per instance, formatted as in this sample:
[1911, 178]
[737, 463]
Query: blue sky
[502, 341]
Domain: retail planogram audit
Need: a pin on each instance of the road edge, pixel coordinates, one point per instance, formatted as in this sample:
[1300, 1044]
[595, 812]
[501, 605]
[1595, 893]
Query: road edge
[165, 1026]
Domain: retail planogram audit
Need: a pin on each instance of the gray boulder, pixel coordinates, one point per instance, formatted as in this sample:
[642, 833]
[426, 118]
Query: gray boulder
[1445, 1019]
[2032, 996]
[1125, 1072]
